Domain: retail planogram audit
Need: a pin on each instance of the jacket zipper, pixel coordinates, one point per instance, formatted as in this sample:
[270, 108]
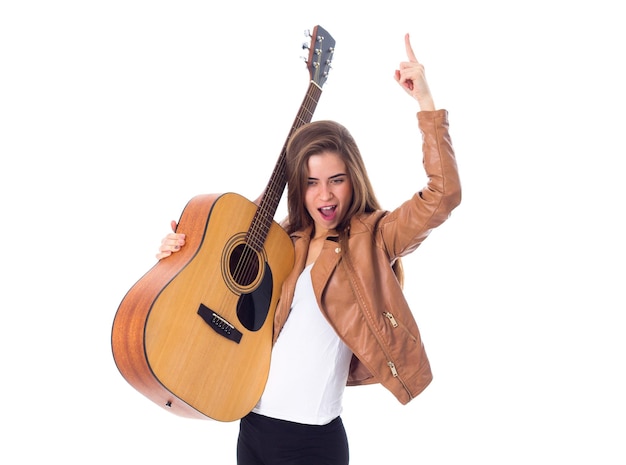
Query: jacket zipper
[390, 363]
[394, 323]
[392, 367]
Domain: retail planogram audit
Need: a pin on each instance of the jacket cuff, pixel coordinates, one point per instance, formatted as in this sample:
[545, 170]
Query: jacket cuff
[432, 115]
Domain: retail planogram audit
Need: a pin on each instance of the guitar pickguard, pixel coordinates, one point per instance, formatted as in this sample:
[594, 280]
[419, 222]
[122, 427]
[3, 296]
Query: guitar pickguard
[253, 308]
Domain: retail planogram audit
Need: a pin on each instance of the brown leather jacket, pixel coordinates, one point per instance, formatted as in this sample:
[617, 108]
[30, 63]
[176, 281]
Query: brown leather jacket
[355, 285]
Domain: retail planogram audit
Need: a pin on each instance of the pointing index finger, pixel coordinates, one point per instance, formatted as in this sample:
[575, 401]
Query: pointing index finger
[409, 49]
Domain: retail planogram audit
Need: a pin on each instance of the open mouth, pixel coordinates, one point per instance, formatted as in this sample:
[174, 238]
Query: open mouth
[328, 213]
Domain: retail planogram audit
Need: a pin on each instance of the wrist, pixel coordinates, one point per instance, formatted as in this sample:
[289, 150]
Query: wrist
[426, 103]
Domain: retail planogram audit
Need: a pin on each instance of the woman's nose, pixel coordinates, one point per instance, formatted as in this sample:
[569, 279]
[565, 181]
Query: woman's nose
[326, 193]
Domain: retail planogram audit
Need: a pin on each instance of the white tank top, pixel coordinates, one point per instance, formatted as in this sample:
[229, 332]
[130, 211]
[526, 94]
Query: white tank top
[309, 364]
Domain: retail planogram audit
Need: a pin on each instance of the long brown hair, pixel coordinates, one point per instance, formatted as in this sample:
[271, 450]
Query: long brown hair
[313, 139]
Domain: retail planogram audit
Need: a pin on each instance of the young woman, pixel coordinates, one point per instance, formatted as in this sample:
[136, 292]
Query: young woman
[342, 318]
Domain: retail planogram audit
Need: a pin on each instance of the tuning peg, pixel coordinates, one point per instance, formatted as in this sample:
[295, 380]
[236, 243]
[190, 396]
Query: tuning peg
[305, 46]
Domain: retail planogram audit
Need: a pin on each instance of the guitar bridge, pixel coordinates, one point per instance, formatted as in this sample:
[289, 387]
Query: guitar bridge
[219, 324]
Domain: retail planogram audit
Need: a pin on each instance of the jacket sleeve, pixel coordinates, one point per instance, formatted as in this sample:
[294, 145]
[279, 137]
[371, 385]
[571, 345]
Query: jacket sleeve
[402, 230]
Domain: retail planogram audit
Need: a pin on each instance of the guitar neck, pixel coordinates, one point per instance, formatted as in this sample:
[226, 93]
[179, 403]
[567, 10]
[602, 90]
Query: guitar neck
[321, 50]
[276, 186]
[278, 180]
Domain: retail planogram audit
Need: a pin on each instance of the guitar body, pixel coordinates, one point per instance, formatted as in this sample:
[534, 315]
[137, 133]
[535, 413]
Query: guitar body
[194, 334]
[186, 364]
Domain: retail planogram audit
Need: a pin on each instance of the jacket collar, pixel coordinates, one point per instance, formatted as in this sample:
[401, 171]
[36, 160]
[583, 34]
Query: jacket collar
[306, 235]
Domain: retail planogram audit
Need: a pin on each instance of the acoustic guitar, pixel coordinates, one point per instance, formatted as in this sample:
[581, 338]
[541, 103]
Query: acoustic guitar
[194, 334]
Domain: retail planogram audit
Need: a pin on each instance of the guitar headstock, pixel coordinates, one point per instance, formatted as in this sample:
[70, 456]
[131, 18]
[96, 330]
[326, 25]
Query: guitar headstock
[320, 56]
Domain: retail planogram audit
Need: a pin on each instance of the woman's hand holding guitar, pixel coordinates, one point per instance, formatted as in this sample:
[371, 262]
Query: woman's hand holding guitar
[171, 243]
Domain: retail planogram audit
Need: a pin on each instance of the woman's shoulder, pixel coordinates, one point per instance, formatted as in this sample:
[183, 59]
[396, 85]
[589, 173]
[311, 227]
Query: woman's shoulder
[368, 221]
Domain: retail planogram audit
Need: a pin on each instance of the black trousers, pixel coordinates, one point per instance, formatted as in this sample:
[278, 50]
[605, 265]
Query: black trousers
[267, 441]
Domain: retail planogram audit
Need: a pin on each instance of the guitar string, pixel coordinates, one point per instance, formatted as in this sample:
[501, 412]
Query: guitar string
[258, 231]
[262, 221]
[260, 226]
[257, 234]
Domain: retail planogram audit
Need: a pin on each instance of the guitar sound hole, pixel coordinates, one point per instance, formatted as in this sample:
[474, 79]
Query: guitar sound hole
[244, 265]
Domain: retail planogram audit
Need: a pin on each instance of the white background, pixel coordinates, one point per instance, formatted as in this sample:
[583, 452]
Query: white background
[114, 114]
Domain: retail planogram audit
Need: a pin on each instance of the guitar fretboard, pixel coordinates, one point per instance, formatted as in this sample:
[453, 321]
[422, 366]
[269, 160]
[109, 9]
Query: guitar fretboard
[264, 215]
